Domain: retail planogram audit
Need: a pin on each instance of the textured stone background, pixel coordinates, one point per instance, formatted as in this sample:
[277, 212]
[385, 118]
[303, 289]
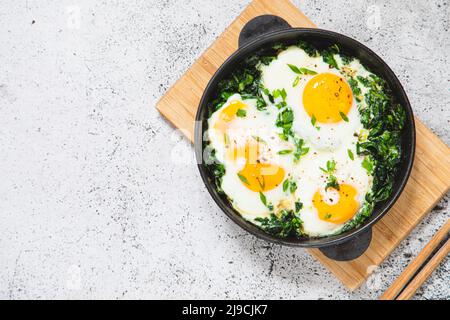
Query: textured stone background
[95, 201]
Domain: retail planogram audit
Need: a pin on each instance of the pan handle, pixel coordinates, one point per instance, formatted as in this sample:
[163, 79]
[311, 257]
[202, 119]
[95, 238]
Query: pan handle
[261, 25]
[350, 249]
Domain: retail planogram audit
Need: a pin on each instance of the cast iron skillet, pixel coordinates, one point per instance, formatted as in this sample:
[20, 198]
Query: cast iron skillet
[259, 35]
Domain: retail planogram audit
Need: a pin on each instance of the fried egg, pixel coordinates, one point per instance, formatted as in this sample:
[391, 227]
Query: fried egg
[249, 148]
[326, 210]
[324, 108]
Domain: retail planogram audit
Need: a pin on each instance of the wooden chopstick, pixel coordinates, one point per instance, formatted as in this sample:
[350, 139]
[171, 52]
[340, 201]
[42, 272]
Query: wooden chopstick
[421, 267]
[424, 274]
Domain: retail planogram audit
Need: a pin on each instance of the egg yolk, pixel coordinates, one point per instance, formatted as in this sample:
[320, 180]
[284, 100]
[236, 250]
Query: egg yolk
[228, 114]
[344, 209]
[258, 176]
[327, 95]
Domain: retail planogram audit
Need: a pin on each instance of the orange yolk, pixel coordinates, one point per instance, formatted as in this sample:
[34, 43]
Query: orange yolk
[326, 96]
[262, 176]
[340, 212]
[258, 176]
[228, 114]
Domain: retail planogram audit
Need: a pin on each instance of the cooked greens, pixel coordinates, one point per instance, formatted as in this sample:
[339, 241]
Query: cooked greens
[284, 121]
[328, 56]
[384, 119]
[285, 224]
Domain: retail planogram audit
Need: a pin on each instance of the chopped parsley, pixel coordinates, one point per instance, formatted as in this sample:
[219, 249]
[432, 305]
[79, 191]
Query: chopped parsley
[300, 150]
[368, 165]
[241, 113]
[243, 179]
[263, 198]
[301, 71]
[350, 154]
[284, 152]
[332, 183]
[285, 224]
[290, 185]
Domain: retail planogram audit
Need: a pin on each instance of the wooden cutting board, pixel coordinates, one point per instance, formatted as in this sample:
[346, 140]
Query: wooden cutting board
[430, 177]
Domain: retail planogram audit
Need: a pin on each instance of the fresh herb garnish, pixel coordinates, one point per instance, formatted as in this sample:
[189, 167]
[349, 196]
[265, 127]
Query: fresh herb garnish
[332, 180]
[296, 81]
[258, 139]
[284, 120]
[293, 186]
[279, 93]
[313, 120]
[368, 165]
[261, 104]
[284, 152]
[283, 94]
[262, 184]
[332, 183]
[284, 136]
[300, 150]
[301, 71]
[263, 198]
[285, 185]
[285, 224]
[268, 94]
[290, 185]
[281, 105]
[350, 154]
[295, 69]
[243, 179]
[241, 113]
[308, 71]
[343, 116]
[331, 166]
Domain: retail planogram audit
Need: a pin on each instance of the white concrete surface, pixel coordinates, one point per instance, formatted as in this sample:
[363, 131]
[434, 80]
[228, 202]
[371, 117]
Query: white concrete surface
[95, 203]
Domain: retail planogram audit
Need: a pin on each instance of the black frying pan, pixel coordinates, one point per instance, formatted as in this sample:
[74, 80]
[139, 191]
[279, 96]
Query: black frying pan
[262, 33]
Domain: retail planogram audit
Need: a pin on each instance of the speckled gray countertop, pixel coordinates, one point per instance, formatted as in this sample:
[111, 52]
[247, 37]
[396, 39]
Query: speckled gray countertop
[95, 201]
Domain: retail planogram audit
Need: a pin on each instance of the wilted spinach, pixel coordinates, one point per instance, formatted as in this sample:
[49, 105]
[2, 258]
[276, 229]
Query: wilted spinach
[285, 224]
[216, 168]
